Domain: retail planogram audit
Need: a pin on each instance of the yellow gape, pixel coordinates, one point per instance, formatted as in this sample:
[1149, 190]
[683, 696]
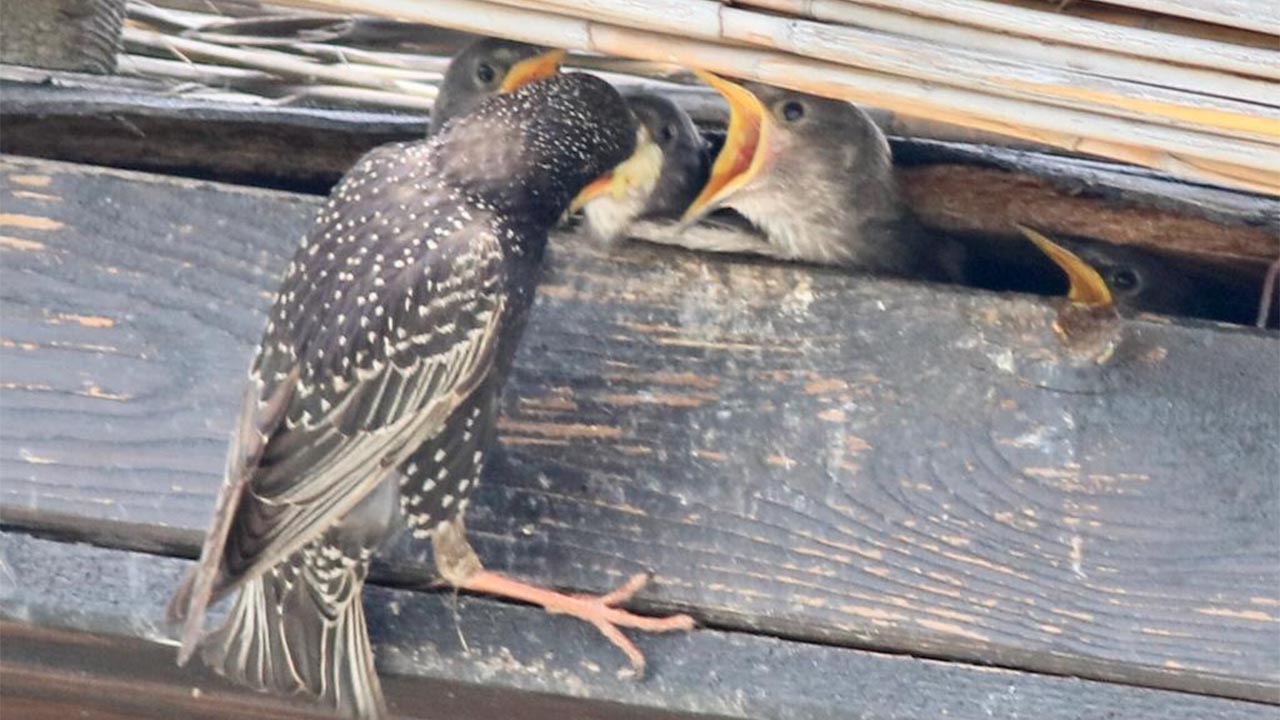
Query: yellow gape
[745, 147]
[637, 174]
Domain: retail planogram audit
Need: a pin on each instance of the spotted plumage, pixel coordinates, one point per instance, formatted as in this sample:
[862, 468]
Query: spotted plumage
[373, 394]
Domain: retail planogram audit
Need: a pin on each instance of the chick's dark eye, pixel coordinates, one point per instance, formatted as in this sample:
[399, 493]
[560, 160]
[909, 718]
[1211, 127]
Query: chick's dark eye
[485, 73]
[792, 111]
[1124, 280]
[666, 134]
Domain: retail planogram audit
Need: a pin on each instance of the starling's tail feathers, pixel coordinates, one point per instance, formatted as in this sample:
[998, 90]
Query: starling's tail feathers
[300, 628]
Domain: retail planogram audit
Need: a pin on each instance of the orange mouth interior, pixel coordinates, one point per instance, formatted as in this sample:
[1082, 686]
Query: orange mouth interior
[741, 158]
[533, 69]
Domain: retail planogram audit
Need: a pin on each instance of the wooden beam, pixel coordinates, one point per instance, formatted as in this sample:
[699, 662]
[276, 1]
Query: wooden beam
[953, 187]
[81, 35]
[84, 630]
[130, 123]
[959, 187]
[808, 453]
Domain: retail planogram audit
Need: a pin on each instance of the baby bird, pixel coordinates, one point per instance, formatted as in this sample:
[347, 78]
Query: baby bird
[815, 177]
[685, 163]
[488, 67]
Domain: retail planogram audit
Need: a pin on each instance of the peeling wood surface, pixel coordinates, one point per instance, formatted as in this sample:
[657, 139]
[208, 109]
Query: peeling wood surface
[974, 188]
[69, 643]
[129, 123]
[79, 35]
[952, 187]
[795, 452]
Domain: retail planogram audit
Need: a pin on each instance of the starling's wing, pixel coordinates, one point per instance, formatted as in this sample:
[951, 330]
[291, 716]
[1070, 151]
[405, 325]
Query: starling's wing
[415, 364]
[363, 359]
[260, 412]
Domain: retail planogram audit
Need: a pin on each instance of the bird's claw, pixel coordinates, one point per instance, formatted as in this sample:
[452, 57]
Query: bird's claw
[599, 610]
[602, 612]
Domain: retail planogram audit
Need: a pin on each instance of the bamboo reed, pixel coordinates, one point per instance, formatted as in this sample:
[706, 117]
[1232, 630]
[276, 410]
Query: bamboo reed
[1262, 17]
[283, 64]
[1207, 156]
[1100, 63]
[949, 66]
[1083, 32]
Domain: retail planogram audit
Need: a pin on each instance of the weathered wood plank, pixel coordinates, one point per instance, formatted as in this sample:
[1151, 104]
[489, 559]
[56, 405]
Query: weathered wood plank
[952, 187]
[85, 625]
[79, 35]
[800, 452]
[114, 122]
[977, 188]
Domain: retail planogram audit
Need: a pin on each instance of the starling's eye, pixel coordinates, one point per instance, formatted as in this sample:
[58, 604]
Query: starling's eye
[1124, 280]
[792, 110]
[666, 134]
[485, 73]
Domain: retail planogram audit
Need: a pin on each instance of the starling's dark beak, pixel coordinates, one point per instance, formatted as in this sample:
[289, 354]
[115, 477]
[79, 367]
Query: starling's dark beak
[745, 148]
[538, 67]
[638, 173]
[1087, 286]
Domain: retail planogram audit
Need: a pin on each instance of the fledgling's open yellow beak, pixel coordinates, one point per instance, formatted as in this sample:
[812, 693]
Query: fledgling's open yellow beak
[538, 67]
[1087, 286]
[638, 173]
[745, 147]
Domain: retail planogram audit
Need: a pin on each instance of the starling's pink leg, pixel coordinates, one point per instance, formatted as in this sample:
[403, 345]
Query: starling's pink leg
[459, 565]
[599, 610]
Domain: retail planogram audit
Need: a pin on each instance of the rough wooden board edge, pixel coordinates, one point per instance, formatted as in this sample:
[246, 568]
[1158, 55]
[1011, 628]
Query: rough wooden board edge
[87, 96]
[948, 184]
[79, 35]
[1050, 662]
[1042, 657]
[66, 590]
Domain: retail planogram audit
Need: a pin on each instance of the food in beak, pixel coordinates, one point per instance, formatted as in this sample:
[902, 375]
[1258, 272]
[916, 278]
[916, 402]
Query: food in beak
[638, 173]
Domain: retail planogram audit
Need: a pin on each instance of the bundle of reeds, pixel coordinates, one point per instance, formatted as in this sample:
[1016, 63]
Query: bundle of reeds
[1186, 86]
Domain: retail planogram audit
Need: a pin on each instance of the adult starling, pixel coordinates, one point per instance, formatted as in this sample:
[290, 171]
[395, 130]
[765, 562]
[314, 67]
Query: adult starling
[374, 393]
[487, 67]
[685, 163]
[815, 176]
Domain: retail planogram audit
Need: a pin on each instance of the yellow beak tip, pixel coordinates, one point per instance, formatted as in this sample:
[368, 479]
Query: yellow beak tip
[1086, 286]
[538, 67]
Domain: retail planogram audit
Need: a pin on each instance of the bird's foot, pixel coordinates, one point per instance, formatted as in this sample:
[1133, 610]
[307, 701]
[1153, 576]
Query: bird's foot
[602, 611]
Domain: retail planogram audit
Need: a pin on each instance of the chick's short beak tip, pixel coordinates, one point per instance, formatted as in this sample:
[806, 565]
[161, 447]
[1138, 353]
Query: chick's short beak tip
[1086, 286]
[538, 67]
[742, 157]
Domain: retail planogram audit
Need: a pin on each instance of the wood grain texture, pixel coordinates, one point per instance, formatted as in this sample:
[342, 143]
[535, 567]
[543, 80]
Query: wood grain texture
[81, 35]
[952, 187]
[793, 451]
[972, 188]
[84, 626]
